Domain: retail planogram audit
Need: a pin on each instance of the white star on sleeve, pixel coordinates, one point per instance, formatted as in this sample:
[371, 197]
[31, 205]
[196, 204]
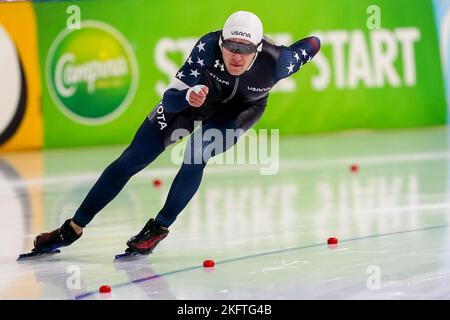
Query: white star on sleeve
[189, 61]
[194, 73]
[296, 56]
[201, 46]
[290, 68]
[304, 53]
[180, 75]
[200, 62]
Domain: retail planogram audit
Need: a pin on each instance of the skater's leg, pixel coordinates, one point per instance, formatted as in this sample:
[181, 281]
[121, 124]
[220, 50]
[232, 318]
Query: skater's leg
[152, 137]
[189, 177]
[185, 184]
[145, 147]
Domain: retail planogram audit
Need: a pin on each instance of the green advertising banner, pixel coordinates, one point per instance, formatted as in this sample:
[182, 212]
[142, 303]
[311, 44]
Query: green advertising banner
[378, 67]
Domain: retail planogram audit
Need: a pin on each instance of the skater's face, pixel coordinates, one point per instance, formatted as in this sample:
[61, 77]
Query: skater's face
[237, 63]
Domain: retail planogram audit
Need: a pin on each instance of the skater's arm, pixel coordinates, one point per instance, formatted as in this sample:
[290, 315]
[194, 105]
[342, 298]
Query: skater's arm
[294, 57]
[176, 100]
[189, 76]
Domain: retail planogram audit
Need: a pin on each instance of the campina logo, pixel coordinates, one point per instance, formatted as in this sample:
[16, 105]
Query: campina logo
[91, 72]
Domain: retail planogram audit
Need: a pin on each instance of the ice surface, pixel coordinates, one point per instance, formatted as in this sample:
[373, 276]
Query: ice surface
[267, 234]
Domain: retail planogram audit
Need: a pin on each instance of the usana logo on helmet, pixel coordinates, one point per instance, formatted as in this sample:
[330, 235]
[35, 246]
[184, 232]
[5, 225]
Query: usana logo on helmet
[91, 73]
[241, 33]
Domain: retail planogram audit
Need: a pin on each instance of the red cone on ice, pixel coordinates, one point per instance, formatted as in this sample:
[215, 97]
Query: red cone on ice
[157, 183]
[208, 263]
[104, 289]
[332, 240]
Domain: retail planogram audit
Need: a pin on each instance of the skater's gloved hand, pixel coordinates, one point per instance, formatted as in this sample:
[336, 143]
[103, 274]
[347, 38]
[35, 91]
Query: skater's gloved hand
[196, 95]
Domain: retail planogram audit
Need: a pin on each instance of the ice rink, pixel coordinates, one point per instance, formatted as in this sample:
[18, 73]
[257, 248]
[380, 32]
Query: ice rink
[266, 233]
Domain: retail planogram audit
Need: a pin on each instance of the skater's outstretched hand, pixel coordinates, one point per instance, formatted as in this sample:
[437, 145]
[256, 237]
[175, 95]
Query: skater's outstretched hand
[196, 95]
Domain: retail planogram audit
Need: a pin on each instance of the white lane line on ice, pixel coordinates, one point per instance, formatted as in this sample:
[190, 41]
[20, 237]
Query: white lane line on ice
[431, 206]
[227, 169]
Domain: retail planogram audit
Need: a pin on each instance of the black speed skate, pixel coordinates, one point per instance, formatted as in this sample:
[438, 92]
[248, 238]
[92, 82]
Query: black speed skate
[145, 241]
[49, 242]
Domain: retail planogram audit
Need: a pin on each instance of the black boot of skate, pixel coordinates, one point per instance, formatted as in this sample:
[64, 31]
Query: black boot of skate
[149, 237]
[49, 242]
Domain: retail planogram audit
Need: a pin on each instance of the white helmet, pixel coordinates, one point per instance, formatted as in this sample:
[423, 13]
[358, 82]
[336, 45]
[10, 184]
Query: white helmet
[243, 25]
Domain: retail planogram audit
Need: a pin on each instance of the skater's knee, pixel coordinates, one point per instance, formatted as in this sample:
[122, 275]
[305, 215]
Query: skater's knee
[199, 153]
[193, 168]
[125, 165]
[194, 157]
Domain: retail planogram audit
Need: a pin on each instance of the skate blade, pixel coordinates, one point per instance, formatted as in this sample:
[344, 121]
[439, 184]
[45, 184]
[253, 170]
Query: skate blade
[129, 255]
[34, 255]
